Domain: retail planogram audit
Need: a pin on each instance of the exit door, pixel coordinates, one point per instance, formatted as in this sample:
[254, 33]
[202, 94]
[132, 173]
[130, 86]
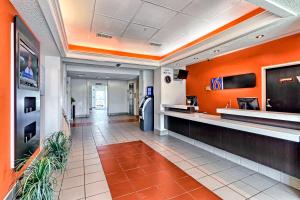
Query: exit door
[283, 89]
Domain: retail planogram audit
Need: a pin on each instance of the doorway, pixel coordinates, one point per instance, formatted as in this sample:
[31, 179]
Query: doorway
[99, 97]
[282, 88]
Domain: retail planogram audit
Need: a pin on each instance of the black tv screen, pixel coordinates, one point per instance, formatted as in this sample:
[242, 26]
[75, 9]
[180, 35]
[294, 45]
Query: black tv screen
[248, 103]
[182, 74]
[28, 67]
[239, 81]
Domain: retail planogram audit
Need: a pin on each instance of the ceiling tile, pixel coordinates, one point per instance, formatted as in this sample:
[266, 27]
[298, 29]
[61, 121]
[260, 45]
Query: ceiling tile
[71, 9]
[153, 16]
[177, 5]
[139, 32]
[108, 25]
[121, 9]
[178, 27]
[211, 8]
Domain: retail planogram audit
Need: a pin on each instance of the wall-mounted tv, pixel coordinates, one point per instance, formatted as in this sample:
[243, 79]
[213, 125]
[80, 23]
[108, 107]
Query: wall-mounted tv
[28, 67]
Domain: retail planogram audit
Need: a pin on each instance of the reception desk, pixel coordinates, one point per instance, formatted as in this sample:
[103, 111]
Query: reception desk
[276, 147]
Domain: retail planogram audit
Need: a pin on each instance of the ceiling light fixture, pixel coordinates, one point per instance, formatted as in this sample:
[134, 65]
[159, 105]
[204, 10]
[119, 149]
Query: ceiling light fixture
[107, 77]
[260, 36]
[104, 35]
[80, 74]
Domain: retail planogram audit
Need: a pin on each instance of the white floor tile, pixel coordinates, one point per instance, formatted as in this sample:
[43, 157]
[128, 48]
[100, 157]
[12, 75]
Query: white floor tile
[72, 182]
[103, 196]
[243, 189]
[94, 177]
[227, 194]
[96, 188]
[74, 172]
[72, 194]
[184, 165]
[260, 182]
[282, 192]
[195, 173]
[210, 183]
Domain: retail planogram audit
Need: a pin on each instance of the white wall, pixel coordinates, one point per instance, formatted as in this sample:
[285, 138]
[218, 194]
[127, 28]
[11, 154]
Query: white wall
[146, 79]
[117, 97]
[164, 93]
[80, 92]
[157, 98]
[52, 98]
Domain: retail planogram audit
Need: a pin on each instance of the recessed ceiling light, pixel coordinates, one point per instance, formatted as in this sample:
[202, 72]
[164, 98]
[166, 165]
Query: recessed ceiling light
[260, 36]
[104, 35]
[216, 51]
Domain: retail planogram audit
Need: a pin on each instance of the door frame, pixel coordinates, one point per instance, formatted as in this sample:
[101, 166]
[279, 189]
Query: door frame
[264, 79]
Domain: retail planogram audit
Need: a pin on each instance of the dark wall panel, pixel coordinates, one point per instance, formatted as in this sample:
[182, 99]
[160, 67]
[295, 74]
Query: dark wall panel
[276, 153]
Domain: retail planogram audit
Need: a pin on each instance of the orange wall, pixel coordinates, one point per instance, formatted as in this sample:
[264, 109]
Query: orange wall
[7, 12]
[249, 60]
[7, 176]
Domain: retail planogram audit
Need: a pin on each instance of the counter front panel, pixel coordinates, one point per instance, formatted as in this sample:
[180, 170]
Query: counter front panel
[279, 154]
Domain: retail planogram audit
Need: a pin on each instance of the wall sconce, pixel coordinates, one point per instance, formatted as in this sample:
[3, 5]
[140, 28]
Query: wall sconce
[207, 88]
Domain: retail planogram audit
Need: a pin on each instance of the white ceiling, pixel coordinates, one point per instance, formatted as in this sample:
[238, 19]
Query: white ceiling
[101, 76]
[135, 23]
[33, 16]
[92, 71]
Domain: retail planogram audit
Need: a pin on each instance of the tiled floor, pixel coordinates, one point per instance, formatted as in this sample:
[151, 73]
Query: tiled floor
[84, 177]
[134, 170]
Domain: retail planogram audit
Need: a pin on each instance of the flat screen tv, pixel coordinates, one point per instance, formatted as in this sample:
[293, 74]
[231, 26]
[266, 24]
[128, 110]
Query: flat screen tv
[248, 103]
[28, 67]
[182, 74]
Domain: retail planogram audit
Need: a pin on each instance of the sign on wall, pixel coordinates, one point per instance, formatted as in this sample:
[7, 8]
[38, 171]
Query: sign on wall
[233, 82]
[216, 83]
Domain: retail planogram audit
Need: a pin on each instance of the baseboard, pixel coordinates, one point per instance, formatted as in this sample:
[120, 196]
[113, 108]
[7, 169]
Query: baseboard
[257, 167]
[115, 114]
[81, 116]
[160, 132]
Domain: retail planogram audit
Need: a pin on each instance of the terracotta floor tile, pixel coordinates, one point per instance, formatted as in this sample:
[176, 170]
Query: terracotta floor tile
[120, 189]
[188, 183]
[144, 182]
[132, 196]
[204, 194]
[185, 196]
[150, 193]
[116, 178]
[170, 190]
[134, 171]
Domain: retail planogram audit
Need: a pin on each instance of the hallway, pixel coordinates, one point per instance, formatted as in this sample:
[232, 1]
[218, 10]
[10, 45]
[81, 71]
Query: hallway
[85, 177]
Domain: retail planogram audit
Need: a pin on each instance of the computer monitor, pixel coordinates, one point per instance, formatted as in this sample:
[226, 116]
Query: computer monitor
[192, 100]
[248, 103]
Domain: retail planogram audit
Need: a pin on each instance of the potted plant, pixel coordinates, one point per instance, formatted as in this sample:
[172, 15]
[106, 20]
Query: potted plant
[57, 147]
[38, 180]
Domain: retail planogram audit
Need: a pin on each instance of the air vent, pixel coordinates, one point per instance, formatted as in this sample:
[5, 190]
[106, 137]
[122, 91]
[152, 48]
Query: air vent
[155, 44]
[103, 35]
